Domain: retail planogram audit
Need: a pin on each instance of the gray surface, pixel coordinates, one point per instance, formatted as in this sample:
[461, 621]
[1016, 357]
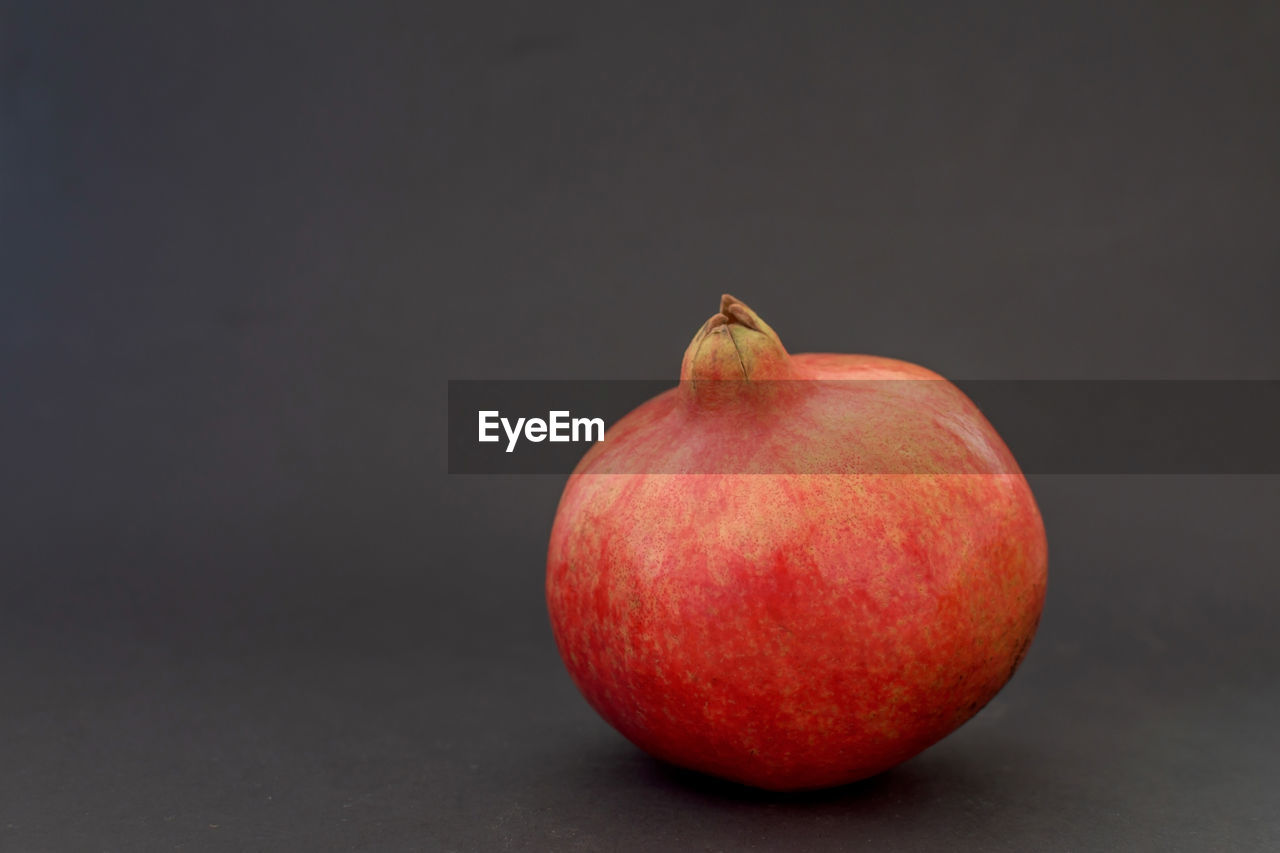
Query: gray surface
[241, 605]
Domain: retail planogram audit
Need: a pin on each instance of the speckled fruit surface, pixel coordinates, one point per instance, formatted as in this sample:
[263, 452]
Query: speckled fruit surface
[789, 582]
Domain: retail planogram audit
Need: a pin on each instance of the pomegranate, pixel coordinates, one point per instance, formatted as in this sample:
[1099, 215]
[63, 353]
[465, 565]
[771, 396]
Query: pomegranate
[789, 582]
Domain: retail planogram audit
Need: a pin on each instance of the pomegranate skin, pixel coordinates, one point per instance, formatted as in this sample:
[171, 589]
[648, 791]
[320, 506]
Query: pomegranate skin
[792, 629]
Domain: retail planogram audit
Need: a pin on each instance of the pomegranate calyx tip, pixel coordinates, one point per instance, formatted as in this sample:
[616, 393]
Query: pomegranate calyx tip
[734, 310]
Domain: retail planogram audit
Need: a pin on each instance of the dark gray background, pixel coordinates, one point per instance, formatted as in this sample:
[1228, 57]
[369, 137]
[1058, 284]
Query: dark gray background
[242, 606]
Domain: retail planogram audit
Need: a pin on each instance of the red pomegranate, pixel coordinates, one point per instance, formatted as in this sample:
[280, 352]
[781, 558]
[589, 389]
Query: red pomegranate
[789, 582]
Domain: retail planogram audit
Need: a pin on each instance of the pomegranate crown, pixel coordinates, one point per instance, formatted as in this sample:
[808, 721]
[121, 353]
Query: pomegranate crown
[735, 345]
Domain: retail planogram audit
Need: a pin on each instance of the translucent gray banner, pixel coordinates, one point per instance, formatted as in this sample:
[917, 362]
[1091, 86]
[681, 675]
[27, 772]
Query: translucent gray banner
[511, 427]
